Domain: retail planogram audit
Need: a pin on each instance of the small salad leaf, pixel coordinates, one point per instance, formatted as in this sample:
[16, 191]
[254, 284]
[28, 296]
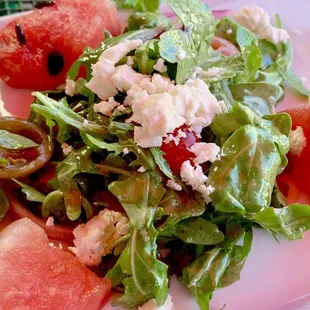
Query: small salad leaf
[75, 163]
[196, 230]
[260, 97]
[290, 222]
[179, 207]
[294, 82]
[143, 276]
[53, 204]
[139, 5]
[13, 141]
[84, 91]
[4, 203]
[139, 196]
[243, 179]
[3, 162]
[31, 193]
[202, 276]
[223, 68]
[141, 20]
[237, 259]
[161, 162]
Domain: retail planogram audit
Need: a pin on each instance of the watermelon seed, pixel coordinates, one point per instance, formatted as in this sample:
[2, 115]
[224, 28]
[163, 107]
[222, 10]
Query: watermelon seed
[21, 38]
[55, 63]
[42, 4]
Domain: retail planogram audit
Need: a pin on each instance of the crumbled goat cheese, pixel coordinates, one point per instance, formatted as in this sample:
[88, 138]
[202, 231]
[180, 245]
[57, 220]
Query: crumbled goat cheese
[101, 82]
[257, 21]
[70, 88]
[85, 122]
[212, 72]
[125, 151]
[181, 55]
[50, 221]
[121, 108]
[3, 111]
[205, 152]
[160, 65]
[229, 31]
[141, 169]
[52, 245]
[160, 107]
[106, 107]
[124, 77]
[194, 177]
[151, 305]
[97, 237]
[176, 139]
[196, 73]
[66, 148]
[130, 61]
[298, 141]
[174, 185]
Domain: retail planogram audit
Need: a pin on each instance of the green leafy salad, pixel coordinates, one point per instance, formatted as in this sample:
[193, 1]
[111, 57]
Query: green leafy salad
[164, 158]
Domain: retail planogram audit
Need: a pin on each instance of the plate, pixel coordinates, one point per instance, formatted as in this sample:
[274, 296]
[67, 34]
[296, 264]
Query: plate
[275, 276]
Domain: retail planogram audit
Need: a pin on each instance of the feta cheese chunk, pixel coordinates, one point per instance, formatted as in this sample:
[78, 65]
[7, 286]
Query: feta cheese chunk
[97, 237]
[174, 185]
[205, 152]
[257, 21]
[151, 305]
[66, 148]
[101, 82]
[50, 222]
[298, 141]
[3, 111]
[70, 88]
[106, 107]
[160, 65]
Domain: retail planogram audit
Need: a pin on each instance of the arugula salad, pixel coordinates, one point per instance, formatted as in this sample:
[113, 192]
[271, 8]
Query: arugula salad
[160, 154]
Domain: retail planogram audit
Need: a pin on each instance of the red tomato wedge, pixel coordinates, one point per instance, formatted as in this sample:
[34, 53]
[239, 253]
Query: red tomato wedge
[37, 49]
[295, 179]
[37, 276]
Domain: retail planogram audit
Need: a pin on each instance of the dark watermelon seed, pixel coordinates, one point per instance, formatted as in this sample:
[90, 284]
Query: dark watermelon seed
[20, 35]
[55, 63]
[43, 4]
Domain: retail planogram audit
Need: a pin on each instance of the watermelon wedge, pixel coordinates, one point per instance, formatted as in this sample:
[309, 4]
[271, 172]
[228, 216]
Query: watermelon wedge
[37, 50]
[35, 275]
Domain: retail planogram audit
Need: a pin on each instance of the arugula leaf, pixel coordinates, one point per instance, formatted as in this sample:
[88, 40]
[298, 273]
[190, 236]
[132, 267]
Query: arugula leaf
[143, 276]
[53, 203]
[76, 162]
[139, 196]
[84, 91]
[223, 68]
[198, 231]
[178, 208]
[31, 193]
[290, 222]
[14, 141]
[143, 155]
[260, 97]
[141, 20]
[161, 162]
[244, 177]
[139, 5]
[59, 112]
[237, 259]
[203, 275]
[248, 45]
[4, 203]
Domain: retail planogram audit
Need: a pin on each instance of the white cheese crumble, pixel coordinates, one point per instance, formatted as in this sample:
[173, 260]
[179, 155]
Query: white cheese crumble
[97, 237]
[70, 88]
[106, 107]
[297, 140]
[212, 72]
[160, 107]
[101, 82]
[174, 185]
[257, 21]
[141, 169]
[160, 66]
[205, 152]
[66, 148]
[130, 61]
[151, 305]
[50, 221]
[194, 177]
[3, 111]
[181, 55]
[125, 151]
[229, 31]
[121, 108]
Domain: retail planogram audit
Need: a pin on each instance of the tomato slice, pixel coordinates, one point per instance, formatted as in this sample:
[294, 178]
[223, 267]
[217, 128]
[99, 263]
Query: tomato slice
[295, 179]
[177, 154]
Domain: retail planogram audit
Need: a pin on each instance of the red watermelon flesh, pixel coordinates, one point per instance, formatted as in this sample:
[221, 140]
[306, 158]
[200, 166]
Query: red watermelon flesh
[34, 275]
[64, 28]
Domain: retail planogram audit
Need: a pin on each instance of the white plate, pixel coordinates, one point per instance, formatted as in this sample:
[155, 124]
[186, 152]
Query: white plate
[275, 276]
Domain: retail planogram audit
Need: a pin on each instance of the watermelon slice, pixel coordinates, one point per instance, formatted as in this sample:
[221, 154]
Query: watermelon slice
[34, 275]
[37, 50]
